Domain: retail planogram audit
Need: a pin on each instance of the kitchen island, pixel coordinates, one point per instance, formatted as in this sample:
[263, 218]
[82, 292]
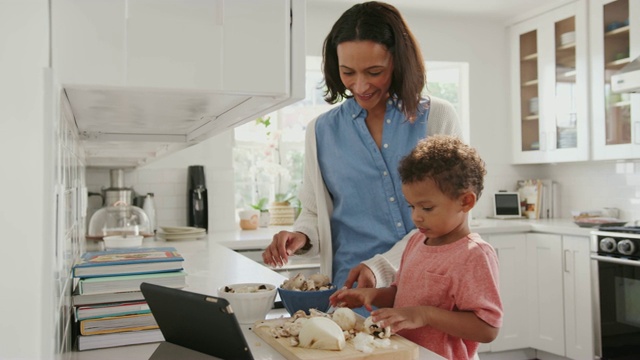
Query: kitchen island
[209, 265]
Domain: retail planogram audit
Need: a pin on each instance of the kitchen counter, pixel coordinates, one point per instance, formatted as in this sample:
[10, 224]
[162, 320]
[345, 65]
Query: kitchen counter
[246, 240]
[209, 265]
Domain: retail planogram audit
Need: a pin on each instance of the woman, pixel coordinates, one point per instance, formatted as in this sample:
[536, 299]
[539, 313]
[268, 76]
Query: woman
[352, 204]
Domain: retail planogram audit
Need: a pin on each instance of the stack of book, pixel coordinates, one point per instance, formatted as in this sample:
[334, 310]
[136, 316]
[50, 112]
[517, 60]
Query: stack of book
[109, 307]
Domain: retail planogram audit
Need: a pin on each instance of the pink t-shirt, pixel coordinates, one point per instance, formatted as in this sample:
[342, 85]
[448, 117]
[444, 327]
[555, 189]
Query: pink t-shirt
[461, 276]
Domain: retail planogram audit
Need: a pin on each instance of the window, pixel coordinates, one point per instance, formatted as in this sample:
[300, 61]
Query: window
[268, 153]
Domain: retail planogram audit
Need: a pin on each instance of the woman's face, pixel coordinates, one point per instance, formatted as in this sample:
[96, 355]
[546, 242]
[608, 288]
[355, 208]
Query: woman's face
[366, 68]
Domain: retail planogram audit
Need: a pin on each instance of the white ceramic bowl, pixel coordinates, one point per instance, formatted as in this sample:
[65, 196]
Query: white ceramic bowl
[249, 307]
[122, 241]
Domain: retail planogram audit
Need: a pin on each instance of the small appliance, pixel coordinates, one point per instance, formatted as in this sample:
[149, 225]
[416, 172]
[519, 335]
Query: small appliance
[197, 200]
[118, 216]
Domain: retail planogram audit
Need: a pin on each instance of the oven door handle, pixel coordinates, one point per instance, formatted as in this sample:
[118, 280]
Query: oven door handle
[614, 260]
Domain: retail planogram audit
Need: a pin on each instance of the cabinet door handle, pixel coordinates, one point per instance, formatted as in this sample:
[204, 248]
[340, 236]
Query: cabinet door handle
[636, 132]
[568, 265]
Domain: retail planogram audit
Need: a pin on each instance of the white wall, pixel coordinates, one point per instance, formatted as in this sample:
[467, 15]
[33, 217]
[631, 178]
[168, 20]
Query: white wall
[26, 320]
[481, 43]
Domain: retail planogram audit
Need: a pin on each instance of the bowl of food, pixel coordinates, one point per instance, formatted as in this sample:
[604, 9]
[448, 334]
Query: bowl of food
[250, 301]
[300, 293]
[122, 241]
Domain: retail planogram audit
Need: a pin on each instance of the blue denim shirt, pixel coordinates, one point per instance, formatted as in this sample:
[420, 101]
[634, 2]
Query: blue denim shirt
[369, 211]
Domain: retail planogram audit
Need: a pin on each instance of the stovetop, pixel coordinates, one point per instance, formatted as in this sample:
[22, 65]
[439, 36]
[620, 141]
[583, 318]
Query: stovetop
[621, 229]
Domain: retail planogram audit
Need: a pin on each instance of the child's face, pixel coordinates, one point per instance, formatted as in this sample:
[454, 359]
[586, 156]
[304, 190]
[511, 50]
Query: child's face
[434, 213]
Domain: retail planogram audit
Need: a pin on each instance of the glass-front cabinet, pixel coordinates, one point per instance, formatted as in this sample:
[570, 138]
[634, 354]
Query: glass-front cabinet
[615, 41]
[549, 86]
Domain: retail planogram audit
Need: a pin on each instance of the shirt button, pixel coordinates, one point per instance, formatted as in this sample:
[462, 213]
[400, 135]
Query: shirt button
[388, 121]
[389, 102]
[399, 224]
[386, 145]
[353, 116]
[385, 173]
[392, 199]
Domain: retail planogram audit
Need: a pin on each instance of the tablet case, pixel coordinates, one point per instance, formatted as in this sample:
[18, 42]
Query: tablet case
[199, 322]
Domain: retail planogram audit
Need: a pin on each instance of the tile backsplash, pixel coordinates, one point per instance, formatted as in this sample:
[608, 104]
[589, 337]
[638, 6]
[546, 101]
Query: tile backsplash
[582, 186]
[70, 226]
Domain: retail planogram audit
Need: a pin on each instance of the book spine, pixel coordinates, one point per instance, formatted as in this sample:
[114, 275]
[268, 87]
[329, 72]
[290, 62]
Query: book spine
[90, 342]
[87, 276]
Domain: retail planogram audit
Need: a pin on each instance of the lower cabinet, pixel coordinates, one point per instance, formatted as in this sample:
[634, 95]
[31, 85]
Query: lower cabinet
[559, 285]
[545, 287]
[511, 250]
[545, 300]
[578, 314]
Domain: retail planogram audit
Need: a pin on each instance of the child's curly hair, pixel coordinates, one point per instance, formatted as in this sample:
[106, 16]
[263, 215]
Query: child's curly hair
[453, 165]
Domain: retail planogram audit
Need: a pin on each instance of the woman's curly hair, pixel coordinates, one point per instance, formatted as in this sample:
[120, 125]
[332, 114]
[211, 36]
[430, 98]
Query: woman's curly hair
[453, 165]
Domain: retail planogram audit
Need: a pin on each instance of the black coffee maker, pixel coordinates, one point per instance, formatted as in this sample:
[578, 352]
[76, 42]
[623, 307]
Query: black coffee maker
[198, 204]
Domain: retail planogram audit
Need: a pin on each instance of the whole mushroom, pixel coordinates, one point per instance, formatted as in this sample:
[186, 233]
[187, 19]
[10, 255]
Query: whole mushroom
[373, 328]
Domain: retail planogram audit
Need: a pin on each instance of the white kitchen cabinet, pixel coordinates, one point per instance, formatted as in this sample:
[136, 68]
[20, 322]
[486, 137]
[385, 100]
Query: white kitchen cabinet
[578, 314]
[181, 44]
[545, 293]
[512, 256]
[148, 77]
[559, 292]
[549, 81]
[614, 42]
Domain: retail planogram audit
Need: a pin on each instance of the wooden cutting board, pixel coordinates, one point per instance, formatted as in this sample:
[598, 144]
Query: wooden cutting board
[400, 349]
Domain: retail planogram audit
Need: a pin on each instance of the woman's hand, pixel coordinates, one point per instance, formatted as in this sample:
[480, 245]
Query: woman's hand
[283, 245]
[362, 275]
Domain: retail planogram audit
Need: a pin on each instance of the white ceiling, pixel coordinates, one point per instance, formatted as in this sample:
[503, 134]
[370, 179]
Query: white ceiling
[498, 9]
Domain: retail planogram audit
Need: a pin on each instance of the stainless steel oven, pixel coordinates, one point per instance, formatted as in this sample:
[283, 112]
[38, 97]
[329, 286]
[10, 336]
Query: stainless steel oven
[615, 266]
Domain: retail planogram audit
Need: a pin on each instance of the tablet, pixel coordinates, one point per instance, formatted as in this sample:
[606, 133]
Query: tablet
[198, 322]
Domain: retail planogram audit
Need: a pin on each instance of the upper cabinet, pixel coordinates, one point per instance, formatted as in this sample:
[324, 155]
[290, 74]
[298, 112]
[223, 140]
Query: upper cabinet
[615, 41]
[148, 77]
[549, 73]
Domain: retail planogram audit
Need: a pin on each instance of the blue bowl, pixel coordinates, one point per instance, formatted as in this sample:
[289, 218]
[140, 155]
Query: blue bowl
[304, 300]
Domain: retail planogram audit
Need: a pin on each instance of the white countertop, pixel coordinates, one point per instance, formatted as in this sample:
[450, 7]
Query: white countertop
[258, 239]
[209, 265]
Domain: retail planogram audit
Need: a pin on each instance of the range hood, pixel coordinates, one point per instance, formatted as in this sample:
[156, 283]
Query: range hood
[130, 127]
[628, 79]
[142, 79]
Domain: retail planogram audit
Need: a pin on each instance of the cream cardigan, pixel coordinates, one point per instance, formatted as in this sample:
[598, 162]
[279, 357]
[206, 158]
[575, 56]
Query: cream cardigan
[317, 205]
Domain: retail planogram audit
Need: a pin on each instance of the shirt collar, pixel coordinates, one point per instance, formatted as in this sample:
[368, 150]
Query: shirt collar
[357, 111]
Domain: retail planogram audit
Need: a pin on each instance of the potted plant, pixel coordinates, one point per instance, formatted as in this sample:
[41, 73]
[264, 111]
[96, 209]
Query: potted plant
[281, 210]
[261, 206]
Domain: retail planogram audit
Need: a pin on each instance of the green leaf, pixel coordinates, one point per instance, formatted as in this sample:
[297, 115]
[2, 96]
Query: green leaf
[261, 204]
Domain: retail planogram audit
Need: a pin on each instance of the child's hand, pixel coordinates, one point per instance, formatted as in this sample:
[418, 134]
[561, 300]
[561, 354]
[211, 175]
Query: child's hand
[410, 317]
[353, 298]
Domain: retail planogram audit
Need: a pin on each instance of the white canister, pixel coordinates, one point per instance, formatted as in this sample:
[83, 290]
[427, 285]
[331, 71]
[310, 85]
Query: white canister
[249, 219]
[149, 208]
